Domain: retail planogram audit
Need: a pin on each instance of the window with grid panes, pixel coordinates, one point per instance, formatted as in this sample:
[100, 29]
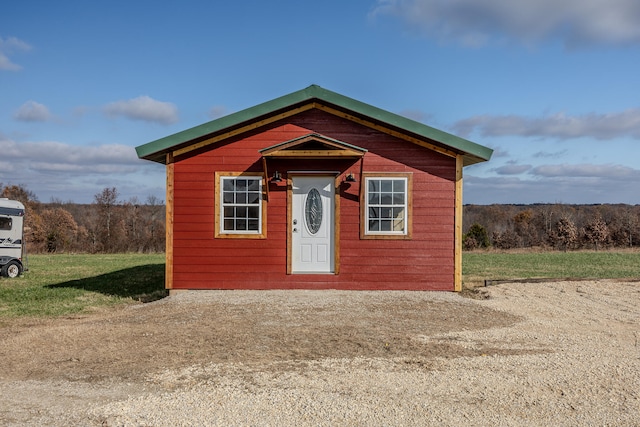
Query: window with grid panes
[386, 208]
[241, 205]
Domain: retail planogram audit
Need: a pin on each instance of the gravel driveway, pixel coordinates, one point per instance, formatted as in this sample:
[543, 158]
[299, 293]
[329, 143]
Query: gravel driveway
[530, 354]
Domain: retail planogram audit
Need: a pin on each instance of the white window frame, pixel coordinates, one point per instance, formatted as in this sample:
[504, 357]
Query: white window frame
[405, 233]
[220, 231]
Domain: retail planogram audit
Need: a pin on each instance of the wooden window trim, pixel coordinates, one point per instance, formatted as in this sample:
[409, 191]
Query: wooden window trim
[218, 203]
[363, 206]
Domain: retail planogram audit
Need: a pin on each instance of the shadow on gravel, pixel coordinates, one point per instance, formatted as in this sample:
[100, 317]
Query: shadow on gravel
[143, 283]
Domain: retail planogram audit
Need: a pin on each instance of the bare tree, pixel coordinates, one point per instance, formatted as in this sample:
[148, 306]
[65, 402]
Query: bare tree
[108, 231]
[155, 224]
[623, 228]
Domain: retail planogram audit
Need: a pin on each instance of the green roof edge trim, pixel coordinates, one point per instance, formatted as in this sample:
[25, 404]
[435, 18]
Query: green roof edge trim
[473, 153]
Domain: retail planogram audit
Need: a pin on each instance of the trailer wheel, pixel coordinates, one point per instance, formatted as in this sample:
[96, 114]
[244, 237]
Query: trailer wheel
[11, 269]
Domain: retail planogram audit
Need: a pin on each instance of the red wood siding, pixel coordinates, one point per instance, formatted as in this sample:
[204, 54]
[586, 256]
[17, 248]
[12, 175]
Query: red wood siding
[423, 262]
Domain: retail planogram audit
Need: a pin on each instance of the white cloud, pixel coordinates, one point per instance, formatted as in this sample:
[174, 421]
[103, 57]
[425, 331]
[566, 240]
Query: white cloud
[610, 171]
[52, 156]
[8, 46]
[555, 184]
[32, 111]
[54, 169]
[478, 22]
[560, 125]
[144, 108]
[511, 169]
[6, 64]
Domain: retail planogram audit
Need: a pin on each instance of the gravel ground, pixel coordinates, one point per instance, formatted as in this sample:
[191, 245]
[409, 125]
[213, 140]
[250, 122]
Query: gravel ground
[558, 354]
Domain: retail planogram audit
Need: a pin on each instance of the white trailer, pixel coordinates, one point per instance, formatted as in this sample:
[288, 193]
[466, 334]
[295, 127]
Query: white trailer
[11, 238]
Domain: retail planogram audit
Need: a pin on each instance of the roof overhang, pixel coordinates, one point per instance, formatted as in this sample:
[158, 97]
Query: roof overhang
[319, 98]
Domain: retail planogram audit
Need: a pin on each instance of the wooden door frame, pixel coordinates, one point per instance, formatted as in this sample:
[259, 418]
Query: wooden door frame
[336, 216]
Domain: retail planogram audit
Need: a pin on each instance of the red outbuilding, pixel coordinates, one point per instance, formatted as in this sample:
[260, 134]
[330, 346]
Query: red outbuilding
[314, 190]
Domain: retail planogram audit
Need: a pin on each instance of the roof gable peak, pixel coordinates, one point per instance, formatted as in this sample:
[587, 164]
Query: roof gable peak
[310, 97]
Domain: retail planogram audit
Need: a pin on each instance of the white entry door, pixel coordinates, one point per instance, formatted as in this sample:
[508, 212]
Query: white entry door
[312, 228]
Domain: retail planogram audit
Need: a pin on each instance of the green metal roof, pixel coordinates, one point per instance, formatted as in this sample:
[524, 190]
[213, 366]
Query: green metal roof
[156, 150]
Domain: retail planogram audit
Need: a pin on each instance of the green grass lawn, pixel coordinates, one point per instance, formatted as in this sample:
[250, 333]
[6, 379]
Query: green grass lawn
[57, 285]
[480, 266]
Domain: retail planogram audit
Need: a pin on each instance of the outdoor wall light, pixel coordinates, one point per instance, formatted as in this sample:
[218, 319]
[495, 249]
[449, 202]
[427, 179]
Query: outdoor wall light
[350, 178]
[276, 177]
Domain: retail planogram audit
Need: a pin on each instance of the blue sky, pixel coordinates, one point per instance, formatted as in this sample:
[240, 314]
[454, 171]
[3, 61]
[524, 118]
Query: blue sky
[551, 86]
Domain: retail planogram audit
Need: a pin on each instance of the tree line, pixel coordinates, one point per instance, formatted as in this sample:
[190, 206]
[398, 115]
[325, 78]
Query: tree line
[107, 225]
[110, 225]
[556, 226]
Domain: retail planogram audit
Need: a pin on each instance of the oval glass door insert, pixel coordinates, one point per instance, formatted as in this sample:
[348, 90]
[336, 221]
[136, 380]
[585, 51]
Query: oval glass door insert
[313, 211]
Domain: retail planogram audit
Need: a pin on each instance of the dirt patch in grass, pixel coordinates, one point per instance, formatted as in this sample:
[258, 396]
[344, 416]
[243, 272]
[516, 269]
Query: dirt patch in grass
[241, 327]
